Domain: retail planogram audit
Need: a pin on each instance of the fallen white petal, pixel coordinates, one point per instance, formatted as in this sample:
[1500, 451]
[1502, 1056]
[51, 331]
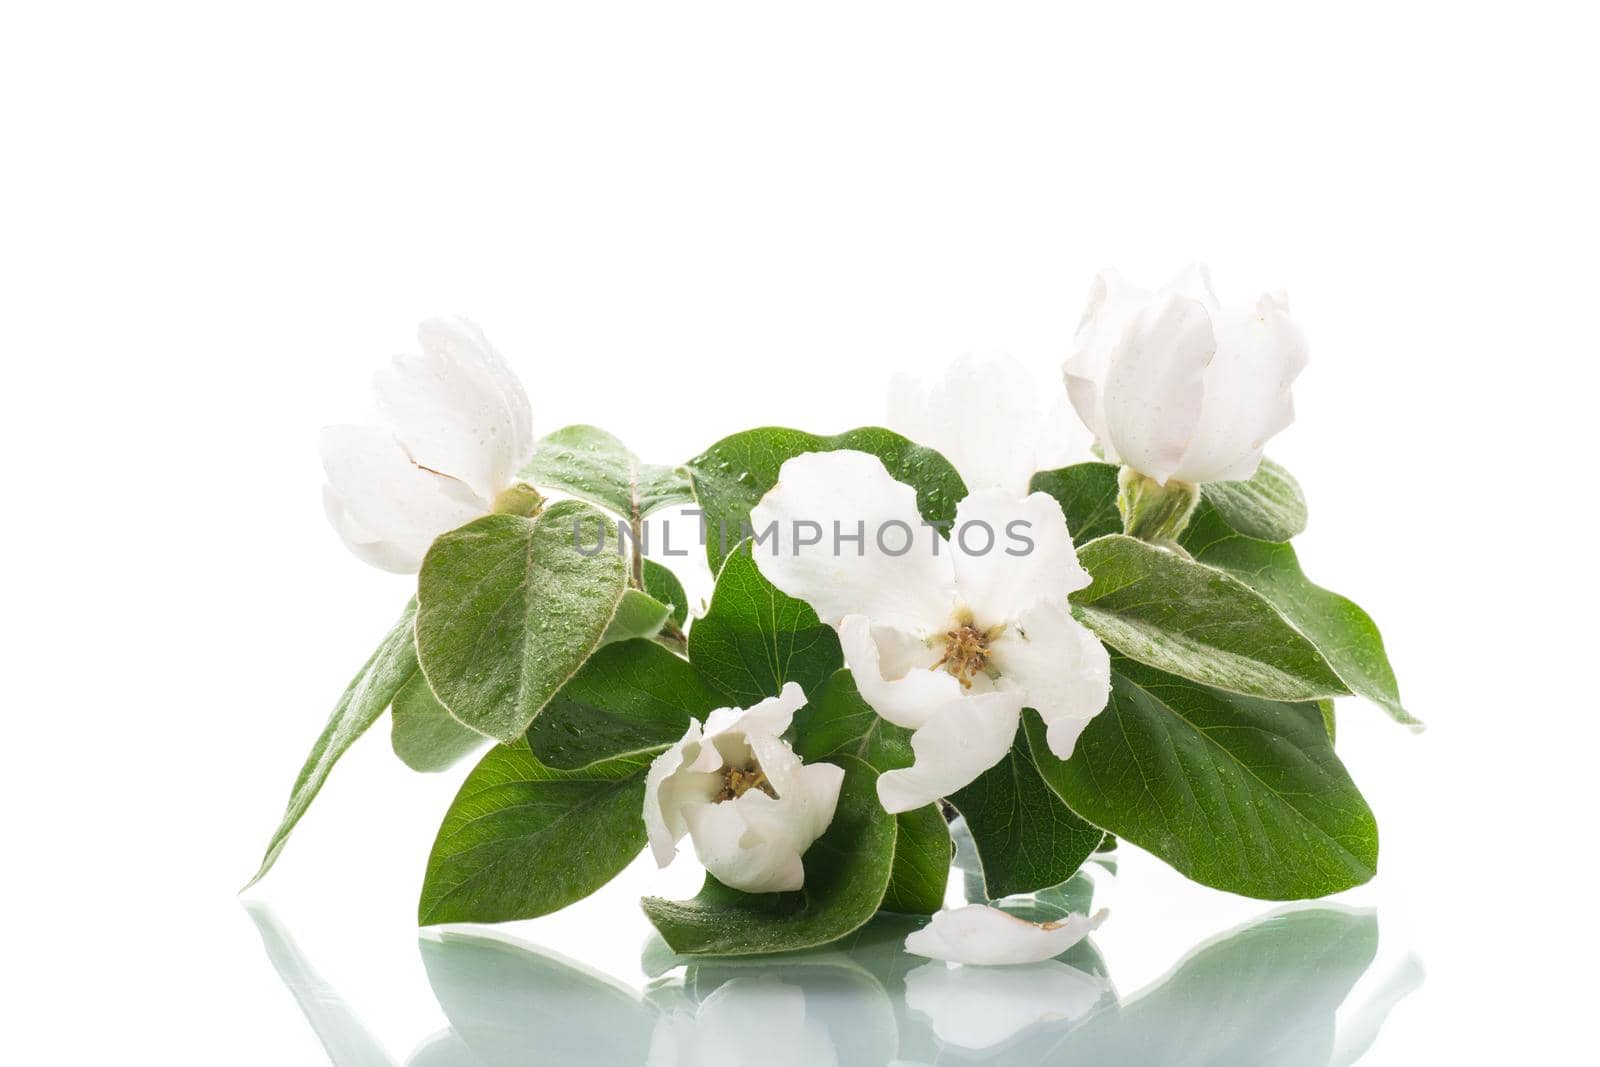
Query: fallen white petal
[979, 934]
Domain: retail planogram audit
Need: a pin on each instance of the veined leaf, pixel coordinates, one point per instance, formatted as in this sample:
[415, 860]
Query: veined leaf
[364, 699]
[638, 615]
[1027, 838]
[509, 608]
[631, 698]
[423, 733]
[1268, 506]
[755, 637]
[1237, 793]
[595, 466]
[1087, 493]
[1344, 634]
[1197, 622]
[838, 721]
[522, 840]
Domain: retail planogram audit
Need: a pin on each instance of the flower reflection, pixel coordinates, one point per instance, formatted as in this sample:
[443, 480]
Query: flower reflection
[1270, 991]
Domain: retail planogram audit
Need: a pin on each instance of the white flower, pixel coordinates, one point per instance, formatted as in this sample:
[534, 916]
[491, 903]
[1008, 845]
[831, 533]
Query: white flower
[457, 426]
[1179, 387]
[986, 417]
[979, 934]
[742, 795]
[948, 638]
[977, 1008]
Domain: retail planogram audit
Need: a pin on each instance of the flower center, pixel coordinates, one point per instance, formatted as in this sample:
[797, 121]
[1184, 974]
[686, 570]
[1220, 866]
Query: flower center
[737, 781]
[966, 653]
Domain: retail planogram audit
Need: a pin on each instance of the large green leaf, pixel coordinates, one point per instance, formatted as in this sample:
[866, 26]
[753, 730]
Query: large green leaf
[1087, 493]
[522, 840]
[1268, 506]
[424, 734]
[1197, 622]
[1344, 634]
[509, 608]
[734, 474]
[1241, 794]
[630, 698]
[592, 464]
[847, 874]
[755, 637]
[838, 721]
[364, 699]
[1027, 839]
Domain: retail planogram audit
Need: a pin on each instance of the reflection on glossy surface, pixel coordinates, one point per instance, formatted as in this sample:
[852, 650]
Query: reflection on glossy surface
[1264, 993]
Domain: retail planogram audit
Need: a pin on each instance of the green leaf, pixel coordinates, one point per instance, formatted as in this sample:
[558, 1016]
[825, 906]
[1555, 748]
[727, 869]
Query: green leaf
[1087, 493]
[838, 721]
[662, 584]
[1197, 622]
[594, 466]
[630, 698]
[423, 733]
[734, 474]
[1237, 793]
[509, 610]
[1344, 634]
[638, 615]
[1027, 839]
[754, 637]
[364, 699]
[847, 874]
[522, 840]
[1269, 506]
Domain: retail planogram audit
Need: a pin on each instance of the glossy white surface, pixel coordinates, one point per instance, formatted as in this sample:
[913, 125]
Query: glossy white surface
[681, 220]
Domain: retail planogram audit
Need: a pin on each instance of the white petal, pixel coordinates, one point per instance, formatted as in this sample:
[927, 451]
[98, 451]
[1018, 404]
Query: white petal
[376, 495]
[1065, 438]
[981, 1007]
[851, 492]
[984, 417]
[959, 741]
[1112, 307]
[979, 934]
[898, 687]
[1154, 385]
[1062, 669]
[1011, 553]
[1194, 282]
[367, 546]
[457, 408]
[769, 718]
[1260, 352]
[738, 856]
[680, 776]
[808, 795]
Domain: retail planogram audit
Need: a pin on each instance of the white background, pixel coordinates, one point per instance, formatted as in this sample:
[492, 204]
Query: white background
[681, 220]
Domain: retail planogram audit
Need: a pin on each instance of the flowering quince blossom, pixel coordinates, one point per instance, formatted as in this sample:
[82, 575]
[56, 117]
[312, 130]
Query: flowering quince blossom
[986, 418]
[456, 427]
[746, 800]
[949, 638]
[979, 934]
[1178, 387]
